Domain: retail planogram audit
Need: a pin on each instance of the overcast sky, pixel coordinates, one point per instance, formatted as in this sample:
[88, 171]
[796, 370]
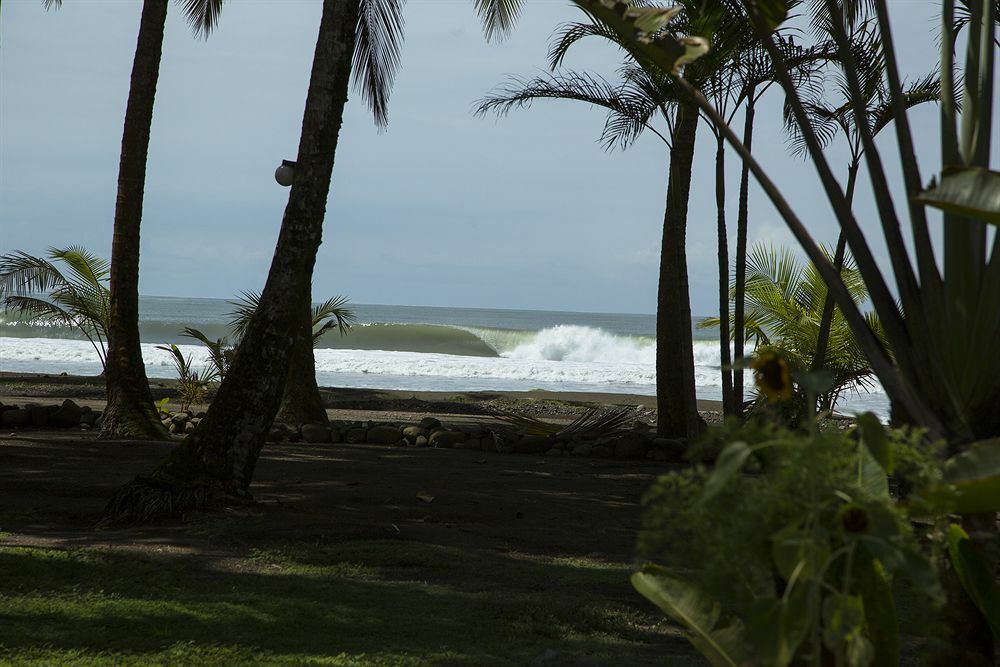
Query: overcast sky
[444, 208]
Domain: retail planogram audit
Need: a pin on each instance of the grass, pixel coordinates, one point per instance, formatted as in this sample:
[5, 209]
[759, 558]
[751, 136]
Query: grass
[364, 602]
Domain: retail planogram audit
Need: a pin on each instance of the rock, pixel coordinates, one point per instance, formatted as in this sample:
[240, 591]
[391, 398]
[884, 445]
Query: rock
[656, 454]
[67, 414]
[533, 444]
[176, 427]
[315, 433]
[430, 423]
[278, 433]
[180, 417]
[555, 452]
[15, 418]
[89, 417]
[582, 450]
[421, 441]
[447, 439]
[471, 443]
[631, 447]
[355, 436]
[189, 427]
[411, 433]
[41, 415]
[384, 434]
[335, 435]
[669, 449]
[602, 451]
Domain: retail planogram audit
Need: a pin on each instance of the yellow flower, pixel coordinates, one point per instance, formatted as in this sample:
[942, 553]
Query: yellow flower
[772, 376]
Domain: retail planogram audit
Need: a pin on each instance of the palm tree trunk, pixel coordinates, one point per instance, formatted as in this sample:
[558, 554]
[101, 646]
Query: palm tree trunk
[742, 224]
[826, 319]
[301, 402]
[677, 408]
[130, 412]
[220, 456]
[726, 362]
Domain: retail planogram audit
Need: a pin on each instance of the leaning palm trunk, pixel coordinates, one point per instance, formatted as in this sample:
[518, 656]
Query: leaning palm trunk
[728, 399]
[676, 405]
[301, 402]
[220, 456]
[130, 412]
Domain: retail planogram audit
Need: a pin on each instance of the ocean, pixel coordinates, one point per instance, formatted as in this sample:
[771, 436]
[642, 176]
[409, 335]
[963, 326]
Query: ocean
[417, 348]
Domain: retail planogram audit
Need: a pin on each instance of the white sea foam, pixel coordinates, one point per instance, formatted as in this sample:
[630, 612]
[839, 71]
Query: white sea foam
[561, 358]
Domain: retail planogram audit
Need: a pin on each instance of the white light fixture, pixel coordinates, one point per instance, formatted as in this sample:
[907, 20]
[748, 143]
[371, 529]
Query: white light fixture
[285, 174]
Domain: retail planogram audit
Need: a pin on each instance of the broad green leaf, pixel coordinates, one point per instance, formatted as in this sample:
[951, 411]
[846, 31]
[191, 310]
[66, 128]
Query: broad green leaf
[880, 609]
[873, 435]
[975, 575]
[793, 549]
[970, 192]
[843, 620]
[663, 51]
[723, 647]
[776, 627]
[727, 466]
[903, 559]
[773, 12]
[975, 473]
[871, 476]
[651, 19]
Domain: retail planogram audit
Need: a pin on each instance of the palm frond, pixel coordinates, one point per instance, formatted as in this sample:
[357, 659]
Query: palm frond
[630, 109]
[332, 313]
[21, 273]
[376, 54]
[219, 350]
[49, 4]
[498, 16]
[569, 34]
[245, 306]
[202, 15]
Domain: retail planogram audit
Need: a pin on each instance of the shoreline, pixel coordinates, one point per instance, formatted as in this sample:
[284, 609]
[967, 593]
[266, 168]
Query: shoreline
[89, 390]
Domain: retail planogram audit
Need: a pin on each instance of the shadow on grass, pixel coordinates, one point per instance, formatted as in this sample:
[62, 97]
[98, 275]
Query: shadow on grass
[362, 602]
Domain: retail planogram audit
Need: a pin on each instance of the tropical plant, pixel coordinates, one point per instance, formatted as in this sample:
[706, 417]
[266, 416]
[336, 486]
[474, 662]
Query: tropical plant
[192, 384]
[220, 456]
[829, 120]
[301, 402]
[784, 308]
[129, 412]
[34, 288]
[943, 373]
[644, 94]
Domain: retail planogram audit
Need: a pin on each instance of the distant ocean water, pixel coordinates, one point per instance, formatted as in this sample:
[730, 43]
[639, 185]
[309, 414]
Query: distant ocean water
[417, 348]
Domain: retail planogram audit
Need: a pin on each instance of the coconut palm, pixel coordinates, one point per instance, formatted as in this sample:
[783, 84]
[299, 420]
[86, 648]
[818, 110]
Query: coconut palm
[34, 288]
[301, 402]
[359, 39]
[130, 412]
[785, 300]
[642, 98]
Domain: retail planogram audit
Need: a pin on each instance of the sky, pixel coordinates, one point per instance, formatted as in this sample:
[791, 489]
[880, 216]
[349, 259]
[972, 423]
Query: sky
[442, 209]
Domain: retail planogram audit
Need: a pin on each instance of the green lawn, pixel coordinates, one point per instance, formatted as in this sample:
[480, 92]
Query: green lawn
[373, 602]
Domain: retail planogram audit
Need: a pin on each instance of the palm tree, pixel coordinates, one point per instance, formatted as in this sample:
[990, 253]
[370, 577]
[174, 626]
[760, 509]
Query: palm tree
[643, 94]
[130, 412]
[35, 288]
[301, 402]
[785, 303]
[219, 457]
